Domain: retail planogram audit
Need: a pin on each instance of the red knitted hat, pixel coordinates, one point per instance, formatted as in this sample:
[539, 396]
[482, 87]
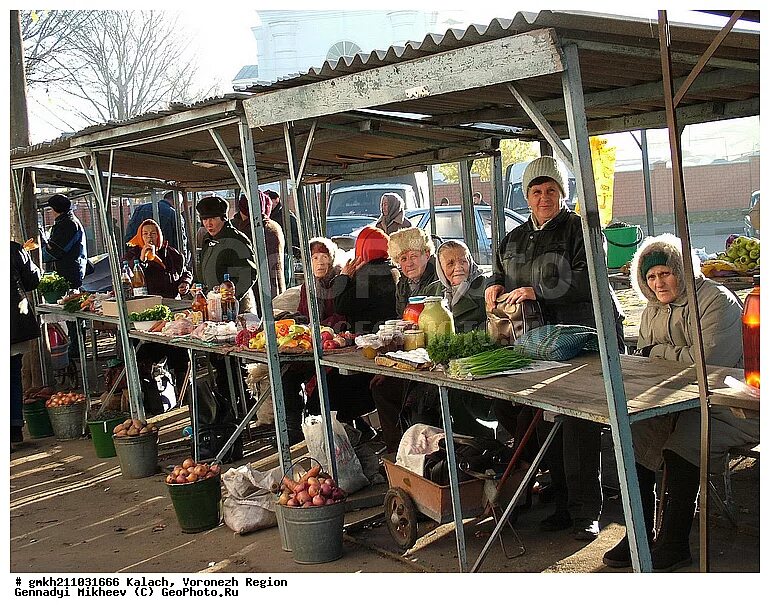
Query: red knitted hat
[371, 244]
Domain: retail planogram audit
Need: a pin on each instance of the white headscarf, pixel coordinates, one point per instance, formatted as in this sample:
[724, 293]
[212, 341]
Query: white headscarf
[453, 293]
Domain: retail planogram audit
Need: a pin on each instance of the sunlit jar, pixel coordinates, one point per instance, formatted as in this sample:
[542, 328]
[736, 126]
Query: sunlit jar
[414, 339]
[413, 309]
[436, 318]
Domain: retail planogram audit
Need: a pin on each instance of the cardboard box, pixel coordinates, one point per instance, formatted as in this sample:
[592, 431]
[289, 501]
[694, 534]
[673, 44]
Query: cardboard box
[110, 307]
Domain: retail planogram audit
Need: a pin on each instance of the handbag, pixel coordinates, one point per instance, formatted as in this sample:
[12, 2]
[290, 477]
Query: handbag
[507, 323]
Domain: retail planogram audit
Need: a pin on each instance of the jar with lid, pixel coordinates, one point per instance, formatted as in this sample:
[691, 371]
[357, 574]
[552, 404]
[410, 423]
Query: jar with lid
[413, 339]
[750, 322]
[413, 309]
[436, 318]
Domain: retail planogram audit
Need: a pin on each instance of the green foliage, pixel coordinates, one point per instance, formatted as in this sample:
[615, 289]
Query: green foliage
[445, 347]
[512, 151]
[53, 283]
[156, 313]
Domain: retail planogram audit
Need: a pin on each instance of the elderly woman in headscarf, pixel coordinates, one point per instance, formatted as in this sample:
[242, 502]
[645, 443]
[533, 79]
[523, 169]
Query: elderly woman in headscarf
[164, 269]
[392, 216]
[462, 284]
[325, 266]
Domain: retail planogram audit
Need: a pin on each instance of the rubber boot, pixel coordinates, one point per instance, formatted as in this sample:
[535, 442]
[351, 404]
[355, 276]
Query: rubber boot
[620, 555]
[672, 547]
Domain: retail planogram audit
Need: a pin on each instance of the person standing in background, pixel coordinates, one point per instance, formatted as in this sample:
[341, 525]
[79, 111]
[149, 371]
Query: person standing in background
[25, 277]
[167, 219]
[276, 214]
[65, 246]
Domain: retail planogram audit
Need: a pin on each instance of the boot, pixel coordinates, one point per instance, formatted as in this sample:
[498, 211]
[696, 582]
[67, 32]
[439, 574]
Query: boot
[620, 555]
[672, 547]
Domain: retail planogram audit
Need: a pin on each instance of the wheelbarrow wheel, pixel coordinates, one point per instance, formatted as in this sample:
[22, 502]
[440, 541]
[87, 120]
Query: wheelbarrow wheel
[401, 517]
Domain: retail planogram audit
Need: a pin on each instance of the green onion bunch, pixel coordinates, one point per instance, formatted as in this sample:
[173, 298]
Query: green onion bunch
[487, 363]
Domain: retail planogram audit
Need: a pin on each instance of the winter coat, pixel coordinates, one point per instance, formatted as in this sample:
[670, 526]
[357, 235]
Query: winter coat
[162, 280]
[230, 252]
[276, 215]
[25, 276]
[553, 261]
[403, 291]
[167, 218]
[66, 248]
[325, 294]
[369, 298]
[242, 225]
[664, 330]
[469, 312]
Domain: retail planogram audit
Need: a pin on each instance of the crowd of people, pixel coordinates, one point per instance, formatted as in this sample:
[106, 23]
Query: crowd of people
[542, 260]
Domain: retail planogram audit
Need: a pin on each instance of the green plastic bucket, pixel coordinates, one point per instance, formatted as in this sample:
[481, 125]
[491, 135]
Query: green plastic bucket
[67, 421]
[622, 242]
[138, 455]
[197, 505]
[37, 419]
[315, 533]
[101, 436]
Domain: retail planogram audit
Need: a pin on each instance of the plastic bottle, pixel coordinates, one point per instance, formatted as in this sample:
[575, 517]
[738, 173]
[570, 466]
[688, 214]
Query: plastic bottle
[229, 301]
[138, 282]
[214, 300]
[751, 336]
[436, 318]
[125, 281]
[200, 304]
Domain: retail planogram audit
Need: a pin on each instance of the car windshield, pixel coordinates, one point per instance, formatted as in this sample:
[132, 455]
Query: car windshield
[346, 225]
[359, 202]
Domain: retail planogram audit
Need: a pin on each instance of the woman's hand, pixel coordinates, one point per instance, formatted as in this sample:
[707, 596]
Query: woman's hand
[351, 268]
[491, 294]
[519, 295]
[183, 288]
[148, 253]
[30, 244]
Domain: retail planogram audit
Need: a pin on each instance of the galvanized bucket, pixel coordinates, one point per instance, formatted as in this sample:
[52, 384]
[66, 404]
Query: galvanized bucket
[138, 455]
[315, 533]
[285, 544]
[67, 421]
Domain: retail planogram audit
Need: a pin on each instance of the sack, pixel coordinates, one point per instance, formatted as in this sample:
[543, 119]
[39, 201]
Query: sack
[558, 342]
[506, 323]
[250, 504]
[350, 475]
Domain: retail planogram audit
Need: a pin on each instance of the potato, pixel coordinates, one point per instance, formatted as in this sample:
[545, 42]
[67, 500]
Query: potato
[117, 428]
[121, 433]
[132, 431]
[137, 424]
[127, 424]
[144, 430]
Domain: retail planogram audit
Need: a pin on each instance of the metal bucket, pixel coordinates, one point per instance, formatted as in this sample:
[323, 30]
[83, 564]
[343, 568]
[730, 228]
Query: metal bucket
[315, 533]
[285, 544]
[67, 421]
[138, 455]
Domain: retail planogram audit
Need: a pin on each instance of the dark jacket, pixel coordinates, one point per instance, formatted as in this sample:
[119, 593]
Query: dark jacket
[167, 219]
[275, 246]
[66, 248]
[469, 312]
[25, 277]
[277, 216]
[229, 252]
[368, 299]
[551, 260]
[403, 292]
[162, 281]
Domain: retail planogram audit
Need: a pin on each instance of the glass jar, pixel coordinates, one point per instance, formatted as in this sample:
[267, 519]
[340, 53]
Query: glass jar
[413, 309]
[751, 336]
[436, 318]
[414, 339]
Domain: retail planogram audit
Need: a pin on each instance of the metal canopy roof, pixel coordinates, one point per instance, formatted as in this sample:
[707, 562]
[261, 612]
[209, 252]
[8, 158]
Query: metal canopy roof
[619, 61]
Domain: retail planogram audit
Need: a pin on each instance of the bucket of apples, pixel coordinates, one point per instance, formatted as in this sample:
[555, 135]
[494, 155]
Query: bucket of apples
[195, 489]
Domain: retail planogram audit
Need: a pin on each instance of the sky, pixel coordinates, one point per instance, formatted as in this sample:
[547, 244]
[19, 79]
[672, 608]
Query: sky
[224, 42]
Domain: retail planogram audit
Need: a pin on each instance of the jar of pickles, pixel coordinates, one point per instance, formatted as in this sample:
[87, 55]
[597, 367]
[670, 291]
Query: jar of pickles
[413, 309]
[436, 318]
[413, 339]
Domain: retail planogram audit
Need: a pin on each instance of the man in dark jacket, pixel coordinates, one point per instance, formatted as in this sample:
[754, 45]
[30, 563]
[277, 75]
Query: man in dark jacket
[412, 250]
[65, 247]
[276, 214]
[167, 219]
[25, 277]
[225, 250]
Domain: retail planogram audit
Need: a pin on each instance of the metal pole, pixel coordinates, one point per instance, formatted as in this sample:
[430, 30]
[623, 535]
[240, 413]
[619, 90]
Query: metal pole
[431, 201]
[467, 210]
[129, 357]
[572, 85]
[498, 203]
[312, 299]
[83, 370]
[193, 404]
[265, 299]
[647, 185]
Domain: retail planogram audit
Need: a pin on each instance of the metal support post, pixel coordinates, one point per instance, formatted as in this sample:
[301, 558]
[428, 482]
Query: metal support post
[467, 210]
[193, 407]
[498, 202]
[431, 201]
[647, 186]
[572, 85]
[83, 370]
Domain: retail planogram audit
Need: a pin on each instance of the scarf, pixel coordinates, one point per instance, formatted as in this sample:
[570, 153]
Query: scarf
[453, 293]
[394, 216]
[138, 241]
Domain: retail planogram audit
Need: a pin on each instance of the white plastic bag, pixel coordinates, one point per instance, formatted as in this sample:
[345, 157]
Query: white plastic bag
[350, 475]
[250, 504]
[418, 441]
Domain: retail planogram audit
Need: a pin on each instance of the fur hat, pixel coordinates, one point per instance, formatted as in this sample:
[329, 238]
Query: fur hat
[653, 249]
[59, 203]
[545, 166]
[409, 239]
[212, 206]
[321, 243]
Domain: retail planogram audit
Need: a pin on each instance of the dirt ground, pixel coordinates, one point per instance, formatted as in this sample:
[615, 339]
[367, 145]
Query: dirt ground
[73, 512]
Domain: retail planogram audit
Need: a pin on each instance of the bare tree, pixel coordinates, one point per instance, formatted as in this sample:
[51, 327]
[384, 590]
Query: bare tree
[120, 64]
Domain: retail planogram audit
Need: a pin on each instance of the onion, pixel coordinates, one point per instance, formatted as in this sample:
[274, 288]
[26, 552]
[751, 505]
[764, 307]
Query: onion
[283, 498]
[331, 482]
[331, 501]
[188, 463]
[303, 497]
[313, 490]
[307, 505]
[292, 502]
[318, 501]
[312, 481]
[326, 490]
[192, 477]
[181, 479]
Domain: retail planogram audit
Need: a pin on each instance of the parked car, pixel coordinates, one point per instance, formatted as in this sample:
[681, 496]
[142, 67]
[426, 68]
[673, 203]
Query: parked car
[449, 226]
[346, 225]
[362, 197]
[751, 220]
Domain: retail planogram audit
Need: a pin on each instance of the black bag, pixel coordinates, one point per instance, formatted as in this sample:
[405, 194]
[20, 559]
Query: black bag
[476, 456]
[211, 439]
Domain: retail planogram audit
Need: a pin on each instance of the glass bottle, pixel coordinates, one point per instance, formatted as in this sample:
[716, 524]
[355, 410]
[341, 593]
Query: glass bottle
[751, 336]
[413, 309]
[436, 318]
[125, 281]
[229, 301]
[200, 305]
[138, 283]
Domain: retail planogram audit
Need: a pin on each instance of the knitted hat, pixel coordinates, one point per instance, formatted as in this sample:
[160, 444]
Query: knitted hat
[59, 203]
[545, 166]
[212, 206]
[654, 258]
[371, 244]
[243, 204]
